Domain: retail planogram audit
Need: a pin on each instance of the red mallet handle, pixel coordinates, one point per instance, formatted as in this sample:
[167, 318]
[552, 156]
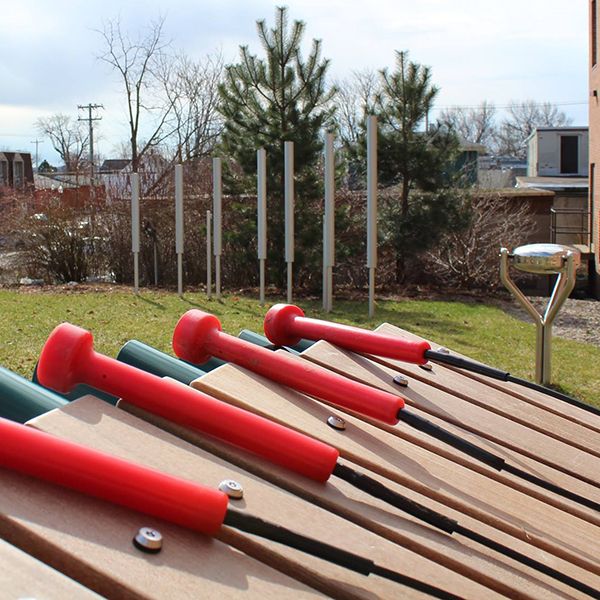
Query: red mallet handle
[286, 325]
[68, 358]
[101, 475]
[198, 336]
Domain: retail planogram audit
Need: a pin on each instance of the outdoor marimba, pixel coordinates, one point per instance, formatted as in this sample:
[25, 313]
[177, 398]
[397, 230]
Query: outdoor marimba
[87, 543]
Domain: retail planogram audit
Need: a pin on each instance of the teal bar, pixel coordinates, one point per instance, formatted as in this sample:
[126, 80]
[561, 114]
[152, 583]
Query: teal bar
[261, 340]
[21, 400]
[80, 390]
[141, 356]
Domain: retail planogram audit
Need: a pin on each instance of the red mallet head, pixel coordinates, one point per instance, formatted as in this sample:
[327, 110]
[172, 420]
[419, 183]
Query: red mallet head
[191, 333]
[279, 324]
[67, 349]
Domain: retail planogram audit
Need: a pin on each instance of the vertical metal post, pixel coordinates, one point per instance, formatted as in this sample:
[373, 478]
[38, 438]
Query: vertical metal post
[135, 230]
[289, 213]
[217, 223]
[179, 226]
[208, 254]
[372, 208]
[329, 224]
[261, 199]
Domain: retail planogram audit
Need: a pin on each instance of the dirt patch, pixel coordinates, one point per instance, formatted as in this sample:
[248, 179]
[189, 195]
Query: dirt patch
[577, 320]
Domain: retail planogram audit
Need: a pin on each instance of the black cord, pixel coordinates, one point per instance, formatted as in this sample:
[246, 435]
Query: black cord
[349, 560]
[378, 490]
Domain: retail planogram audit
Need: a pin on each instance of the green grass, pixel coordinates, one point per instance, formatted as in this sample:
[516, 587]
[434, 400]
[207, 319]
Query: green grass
[480, 331]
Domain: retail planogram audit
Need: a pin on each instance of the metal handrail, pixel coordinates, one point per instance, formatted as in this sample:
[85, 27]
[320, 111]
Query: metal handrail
[582, 230]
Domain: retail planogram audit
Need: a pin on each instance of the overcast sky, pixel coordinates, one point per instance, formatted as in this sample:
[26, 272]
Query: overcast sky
[477, 49]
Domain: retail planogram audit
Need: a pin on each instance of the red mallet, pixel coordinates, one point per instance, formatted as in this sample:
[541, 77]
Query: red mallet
[101, 475]
[68, 358]
[186, 503]
[286, 325]
[198, 336]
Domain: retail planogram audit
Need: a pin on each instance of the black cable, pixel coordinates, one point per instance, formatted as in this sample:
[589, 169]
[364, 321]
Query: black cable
[348, 560]
[498, 374]
[375, 488]
[378, 490]
[528, 561]
[552, 487]
[492, 460]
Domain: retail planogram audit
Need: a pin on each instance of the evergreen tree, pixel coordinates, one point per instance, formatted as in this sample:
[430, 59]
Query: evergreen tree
[416, 156]
[265, 102]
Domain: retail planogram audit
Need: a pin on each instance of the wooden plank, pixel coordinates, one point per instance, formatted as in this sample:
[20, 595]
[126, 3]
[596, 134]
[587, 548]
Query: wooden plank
[426, 473]
[470, 417]
[22, 576]
[539, 399]
[104, 427]
[380, 375]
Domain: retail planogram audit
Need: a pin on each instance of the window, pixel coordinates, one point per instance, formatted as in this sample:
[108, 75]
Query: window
[18, 173]
[3, 172]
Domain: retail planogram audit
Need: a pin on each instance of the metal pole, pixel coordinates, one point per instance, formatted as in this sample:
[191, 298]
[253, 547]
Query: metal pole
[217, 223]
[329, 224]
[179, 226]
[261, 200]
[208, 255]
[372, 208]
[289, 213]
[135, 230]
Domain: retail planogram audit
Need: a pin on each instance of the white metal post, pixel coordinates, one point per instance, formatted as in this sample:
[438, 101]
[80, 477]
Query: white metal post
[217, 223]
[261, 196]
[179, 226]
[372, 208]
[135, 230]
[289, 213]
[208, 254]
[329, 224]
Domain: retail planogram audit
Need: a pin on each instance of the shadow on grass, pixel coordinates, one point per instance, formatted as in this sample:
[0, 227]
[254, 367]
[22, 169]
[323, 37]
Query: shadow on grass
[152, 302]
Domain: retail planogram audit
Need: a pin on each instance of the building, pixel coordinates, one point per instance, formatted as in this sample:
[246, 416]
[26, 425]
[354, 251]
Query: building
[557, 152]
[16, 170]
[594, 148]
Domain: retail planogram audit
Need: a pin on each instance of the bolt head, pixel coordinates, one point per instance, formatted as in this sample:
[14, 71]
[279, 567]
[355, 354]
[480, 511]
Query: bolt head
[336, 422]
[148, 540]
[400, 380]
[443, 350]
[232, 488]
[426, 367]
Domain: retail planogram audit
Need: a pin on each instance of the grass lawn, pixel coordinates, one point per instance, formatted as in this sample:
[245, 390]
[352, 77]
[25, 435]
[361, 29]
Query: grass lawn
[480, 331]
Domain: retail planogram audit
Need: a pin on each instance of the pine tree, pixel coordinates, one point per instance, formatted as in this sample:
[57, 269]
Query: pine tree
[417, 156]
[265, 102]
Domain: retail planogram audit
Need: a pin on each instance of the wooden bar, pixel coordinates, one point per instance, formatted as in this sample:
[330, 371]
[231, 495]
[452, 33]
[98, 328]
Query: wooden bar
[104, 427]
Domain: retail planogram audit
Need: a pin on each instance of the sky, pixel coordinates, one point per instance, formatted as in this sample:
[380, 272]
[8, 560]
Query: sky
[478, 50]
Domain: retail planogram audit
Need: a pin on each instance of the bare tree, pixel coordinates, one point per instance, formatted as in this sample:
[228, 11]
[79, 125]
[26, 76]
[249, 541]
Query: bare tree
[475, 125]
[354, 99]
[191, 88]
[521, 120]
[137, 61]
[68, 137]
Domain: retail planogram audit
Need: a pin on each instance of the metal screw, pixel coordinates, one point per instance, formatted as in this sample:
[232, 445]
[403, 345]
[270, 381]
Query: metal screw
[426, 367]
[336, 422]
[148, 540]
[443, 350]
[232, 488]
[400, 380]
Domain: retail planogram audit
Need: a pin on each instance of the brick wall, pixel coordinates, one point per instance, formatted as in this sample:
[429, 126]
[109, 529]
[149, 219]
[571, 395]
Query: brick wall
[594, 123]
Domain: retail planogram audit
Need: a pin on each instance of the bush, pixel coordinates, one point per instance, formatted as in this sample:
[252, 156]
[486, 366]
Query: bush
[469, 258]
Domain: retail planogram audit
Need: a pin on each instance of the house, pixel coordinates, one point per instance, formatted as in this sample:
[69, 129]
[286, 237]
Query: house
[557, 152]
[16, 170]
[594, 147]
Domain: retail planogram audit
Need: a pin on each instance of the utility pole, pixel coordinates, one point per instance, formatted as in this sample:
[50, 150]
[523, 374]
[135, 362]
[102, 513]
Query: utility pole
[90, 107]
[37, 143]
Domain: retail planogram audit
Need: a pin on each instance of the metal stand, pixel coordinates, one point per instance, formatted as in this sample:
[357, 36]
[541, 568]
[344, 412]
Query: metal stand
[544, 259]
